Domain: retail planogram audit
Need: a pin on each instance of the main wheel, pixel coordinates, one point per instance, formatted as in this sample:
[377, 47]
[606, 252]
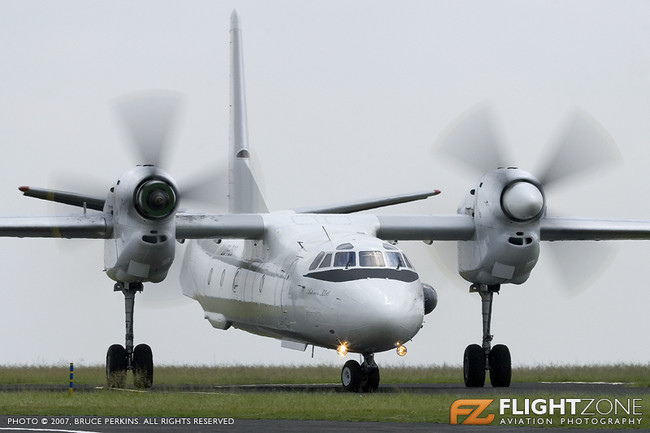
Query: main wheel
[142, 366]
[474, 366]
[351, 376]
[116, 364]
[371, 380]
[500, 366]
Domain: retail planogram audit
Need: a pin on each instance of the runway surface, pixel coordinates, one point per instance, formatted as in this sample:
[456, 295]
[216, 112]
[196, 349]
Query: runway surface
[85, 424]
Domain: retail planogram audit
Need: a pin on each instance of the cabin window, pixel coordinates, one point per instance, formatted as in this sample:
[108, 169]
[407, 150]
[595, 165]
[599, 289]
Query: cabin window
[327, 261]
[345, 259]
[371, 259]
[395, 260]
[316, 261]
[210, 275]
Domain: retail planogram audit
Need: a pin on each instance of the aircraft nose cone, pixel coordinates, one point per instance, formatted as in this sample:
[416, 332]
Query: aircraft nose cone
[386, 313]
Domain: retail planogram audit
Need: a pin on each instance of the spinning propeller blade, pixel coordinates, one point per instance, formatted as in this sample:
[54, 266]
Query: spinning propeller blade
[149, 118]
[473, 140]
[582, 146]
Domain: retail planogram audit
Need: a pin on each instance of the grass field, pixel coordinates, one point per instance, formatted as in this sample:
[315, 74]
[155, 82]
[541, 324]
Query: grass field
[397, 406]
[634, 375]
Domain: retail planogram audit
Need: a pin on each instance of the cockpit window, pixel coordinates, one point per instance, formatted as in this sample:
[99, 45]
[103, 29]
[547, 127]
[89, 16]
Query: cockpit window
[345, 259]
[345, 246]
[408, 263]
[316, 261]
[395, 260]
[392, 258]
[371, 259]
[327, 261]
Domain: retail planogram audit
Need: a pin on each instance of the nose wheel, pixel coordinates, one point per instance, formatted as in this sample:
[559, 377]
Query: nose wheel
[120, 359]
[363, 377]
[479, 359]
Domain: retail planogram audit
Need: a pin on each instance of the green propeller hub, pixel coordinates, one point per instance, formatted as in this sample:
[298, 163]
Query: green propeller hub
[155, 199]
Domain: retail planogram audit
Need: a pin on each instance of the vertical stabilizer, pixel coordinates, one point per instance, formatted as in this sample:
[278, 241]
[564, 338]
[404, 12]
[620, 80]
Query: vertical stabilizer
[244, 193]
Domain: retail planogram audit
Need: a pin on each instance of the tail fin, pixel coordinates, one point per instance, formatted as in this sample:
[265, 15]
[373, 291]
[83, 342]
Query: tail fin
[244, 193]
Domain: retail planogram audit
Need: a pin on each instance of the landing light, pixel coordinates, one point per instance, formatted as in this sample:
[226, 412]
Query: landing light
[401, 350]
[342, 350]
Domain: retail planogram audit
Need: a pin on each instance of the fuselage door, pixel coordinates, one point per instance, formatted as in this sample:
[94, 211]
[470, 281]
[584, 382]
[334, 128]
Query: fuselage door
[285, 302]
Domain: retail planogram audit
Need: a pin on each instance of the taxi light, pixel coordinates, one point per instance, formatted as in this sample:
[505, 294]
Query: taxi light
[342, 350]
[401, 350]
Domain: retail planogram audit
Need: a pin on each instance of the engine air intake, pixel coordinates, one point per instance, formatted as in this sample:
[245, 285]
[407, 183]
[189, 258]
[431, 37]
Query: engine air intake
[155, 199]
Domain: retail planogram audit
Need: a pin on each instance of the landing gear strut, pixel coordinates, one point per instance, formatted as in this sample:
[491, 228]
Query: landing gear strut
[120, 359]
[479, 359]
[361, 378]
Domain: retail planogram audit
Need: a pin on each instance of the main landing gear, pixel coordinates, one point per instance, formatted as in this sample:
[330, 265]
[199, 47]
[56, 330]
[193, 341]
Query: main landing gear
[120, 359]
[477, 360]
[361, 378]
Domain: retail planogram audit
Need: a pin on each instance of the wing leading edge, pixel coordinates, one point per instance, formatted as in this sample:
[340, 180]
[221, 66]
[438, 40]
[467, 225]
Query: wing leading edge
[67, 226]
[461, 228]
[583, 229]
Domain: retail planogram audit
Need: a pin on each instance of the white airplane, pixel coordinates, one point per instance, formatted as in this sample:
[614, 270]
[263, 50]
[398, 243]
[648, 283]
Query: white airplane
[329, 276]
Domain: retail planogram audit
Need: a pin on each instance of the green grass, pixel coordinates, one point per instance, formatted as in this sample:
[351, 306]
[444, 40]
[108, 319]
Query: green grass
[293, 405]
[394, 406]
[634, 375]
[329, 406]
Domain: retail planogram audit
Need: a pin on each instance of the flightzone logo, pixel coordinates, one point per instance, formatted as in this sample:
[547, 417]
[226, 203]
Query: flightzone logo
[562, 412]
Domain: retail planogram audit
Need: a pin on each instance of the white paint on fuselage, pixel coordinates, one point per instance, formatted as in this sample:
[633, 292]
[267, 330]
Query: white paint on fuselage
[261, 285]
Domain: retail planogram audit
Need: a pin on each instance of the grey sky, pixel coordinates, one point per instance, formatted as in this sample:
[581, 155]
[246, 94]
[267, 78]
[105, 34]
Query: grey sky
[345, 101]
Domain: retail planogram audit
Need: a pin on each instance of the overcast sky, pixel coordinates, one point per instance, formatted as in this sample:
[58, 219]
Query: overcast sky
[346, 100]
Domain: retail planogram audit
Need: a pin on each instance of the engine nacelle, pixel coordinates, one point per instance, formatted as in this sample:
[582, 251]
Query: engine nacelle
[143, 203]
[430, 298]
[507, 206]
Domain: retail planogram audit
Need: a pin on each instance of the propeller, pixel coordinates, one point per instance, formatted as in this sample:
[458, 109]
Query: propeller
[149, 118]
[581, 146]
[475, 140]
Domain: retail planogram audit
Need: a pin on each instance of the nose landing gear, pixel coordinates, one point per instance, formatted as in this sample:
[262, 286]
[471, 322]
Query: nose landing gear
[479, 359]
[363, 377]
[120, 359]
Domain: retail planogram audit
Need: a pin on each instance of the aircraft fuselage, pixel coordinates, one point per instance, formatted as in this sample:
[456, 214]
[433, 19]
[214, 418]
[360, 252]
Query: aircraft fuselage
[322, 280]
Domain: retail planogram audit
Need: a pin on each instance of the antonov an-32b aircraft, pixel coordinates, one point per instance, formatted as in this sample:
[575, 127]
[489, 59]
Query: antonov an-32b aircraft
[330, 276]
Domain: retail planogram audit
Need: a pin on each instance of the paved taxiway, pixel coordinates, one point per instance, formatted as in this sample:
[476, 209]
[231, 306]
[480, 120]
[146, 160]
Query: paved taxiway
[74, 425]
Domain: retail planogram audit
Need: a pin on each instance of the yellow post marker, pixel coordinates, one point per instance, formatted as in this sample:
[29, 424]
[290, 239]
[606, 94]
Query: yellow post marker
[71, 378]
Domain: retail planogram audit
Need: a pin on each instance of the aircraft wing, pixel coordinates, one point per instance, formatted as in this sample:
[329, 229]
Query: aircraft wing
[228, 226]
[578, 229]
[425, 227]
[84, 226]
[71, 198]
[358, 206]
[461, 227]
